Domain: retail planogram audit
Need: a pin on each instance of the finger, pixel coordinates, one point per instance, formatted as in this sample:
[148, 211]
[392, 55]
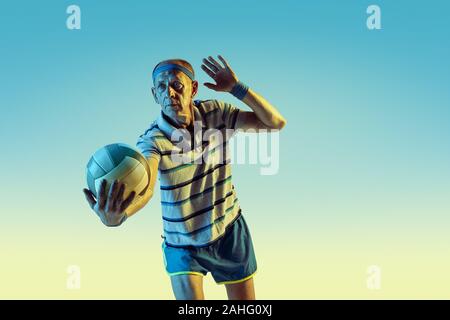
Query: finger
[209, 72]
[102, 195]
[112, 195]
[225, 63]
[127, 201]
[119, 197]
[211, 66]
[214, 62]
[210, 86]
[89, 197]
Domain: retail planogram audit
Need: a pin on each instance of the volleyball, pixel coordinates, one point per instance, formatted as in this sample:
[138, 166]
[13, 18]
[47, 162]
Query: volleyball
[119, 162]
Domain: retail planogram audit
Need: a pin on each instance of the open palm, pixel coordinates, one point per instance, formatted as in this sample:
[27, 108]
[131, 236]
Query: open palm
[223, 75]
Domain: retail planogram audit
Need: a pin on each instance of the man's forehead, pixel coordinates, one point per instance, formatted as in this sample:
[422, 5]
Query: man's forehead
[171, 75]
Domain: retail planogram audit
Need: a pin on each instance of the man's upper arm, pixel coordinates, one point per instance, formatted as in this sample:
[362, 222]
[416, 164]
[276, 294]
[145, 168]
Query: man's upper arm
[149, 148]
[248, 120]
[153, 163]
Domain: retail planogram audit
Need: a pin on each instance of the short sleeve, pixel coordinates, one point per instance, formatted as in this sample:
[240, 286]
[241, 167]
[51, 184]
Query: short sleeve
[148, 147]
[229, 114]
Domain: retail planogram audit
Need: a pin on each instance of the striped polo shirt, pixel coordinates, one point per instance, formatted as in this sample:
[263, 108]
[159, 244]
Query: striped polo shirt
[198, 199]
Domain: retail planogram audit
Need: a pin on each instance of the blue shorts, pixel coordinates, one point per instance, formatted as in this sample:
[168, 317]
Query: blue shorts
[230, 259]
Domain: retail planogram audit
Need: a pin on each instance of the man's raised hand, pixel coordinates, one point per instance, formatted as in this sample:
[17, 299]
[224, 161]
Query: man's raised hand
[223, 75]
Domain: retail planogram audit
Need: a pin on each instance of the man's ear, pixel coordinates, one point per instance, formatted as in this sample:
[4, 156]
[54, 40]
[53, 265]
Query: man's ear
[154, 95]
[194, 88]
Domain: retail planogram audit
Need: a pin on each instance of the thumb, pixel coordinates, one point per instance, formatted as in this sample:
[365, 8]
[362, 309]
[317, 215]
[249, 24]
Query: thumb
[210, 86]
[89, 197]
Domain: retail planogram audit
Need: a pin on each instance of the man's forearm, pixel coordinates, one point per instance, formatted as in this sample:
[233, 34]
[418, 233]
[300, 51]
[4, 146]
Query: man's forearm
[153, 168]
[135, 207]
[265, 112]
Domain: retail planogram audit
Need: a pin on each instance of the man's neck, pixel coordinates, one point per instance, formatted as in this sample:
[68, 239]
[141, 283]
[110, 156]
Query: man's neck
[169, 120]
[189, 127]
[173, 123]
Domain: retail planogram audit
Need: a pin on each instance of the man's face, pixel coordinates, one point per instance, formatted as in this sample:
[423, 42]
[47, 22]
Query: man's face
[174, 90]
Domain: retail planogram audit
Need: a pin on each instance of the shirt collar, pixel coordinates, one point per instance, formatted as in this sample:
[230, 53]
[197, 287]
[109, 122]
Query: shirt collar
[168, 129]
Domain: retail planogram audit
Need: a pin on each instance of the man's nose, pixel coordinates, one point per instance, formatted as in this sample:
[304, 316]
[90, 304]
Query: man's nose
[170, 92]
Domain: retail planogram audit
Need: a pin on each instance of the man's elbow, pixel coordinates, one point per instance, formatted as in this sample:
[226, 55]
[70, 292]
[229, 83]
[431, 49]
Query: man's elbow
[280, 124]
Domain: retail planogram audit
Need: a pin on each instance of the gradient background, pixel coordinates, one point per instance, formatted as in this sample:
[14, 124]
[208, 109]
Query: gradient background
[364, 160]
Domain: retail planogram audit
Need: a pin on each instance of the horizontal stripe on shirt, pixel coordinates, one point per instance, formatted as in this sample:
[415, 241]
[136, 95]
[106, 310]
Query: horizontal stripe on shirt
[185, 165]
[209, 189]
[206, 227]
[207, 243]
[203, 174]
[204, 210]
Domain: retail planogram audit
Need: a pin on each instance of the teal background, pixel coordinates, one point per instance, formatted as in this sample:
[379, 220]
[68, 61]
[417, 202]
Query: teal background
[364, 159]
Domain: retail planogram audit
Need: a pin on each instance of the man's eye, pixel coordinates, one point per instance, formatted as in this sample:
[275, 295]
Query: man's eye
[177, 85]
[161, 87]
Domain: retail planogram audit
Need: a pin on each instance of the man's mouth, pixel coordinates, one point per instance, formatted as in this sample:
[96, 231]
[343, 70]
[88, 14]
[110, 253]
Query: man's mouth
[173, 105]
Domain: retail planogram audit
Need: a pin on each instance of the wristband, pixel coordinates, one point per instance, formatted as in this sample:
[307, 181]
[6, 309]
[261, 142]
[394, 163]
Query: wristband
[239, 90]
